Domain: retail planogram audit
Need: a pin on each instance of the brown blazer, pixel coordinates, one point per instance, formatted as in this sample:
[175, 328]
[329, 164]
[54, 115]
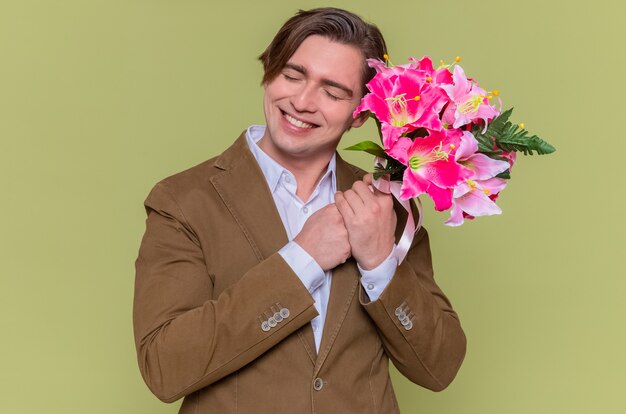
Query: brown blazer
[208, 276]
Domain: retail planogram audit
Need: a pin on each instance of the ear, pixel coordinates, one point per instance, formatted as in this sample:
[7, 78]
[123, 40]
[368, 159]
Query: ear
[360, 120]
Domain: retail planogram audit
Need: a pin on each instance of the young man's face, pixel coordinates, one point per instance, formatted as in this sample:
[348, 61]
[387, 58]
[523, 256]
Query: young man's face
[309, 105]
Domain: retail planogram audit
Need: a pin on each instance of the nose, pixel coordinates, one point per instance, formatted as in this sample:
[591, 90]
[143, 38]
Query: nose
[304, 99]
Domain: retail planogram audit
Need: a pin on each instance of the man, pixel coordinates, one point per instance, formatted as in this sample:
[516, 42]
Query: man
[266, 279]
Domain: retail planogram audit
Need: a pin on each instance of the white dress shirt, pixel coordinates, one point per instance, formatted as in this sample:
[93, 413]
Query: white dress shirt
[293, 213]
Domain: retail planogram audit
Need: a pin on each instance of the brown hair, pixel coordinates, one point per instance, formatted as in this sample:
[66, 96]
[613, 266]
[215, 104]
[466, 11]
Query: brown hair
[335, 24]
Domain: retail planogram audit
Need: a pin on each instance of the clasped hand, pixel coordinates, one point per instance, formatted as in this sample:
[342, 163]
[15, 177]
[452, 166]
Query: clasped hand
[361, 223]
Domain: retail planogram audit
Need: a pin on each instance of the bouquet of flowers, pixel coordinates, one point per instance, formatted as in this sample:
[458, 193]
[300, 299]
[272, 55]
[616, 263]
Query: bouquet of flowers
[442, 136]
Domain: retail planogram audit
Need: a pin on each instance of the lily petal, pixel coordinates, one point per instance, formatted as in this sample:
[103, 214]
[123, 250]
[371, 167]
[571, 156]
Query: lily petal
[412, 185]
[484, 167]
[477, 203]
[400, 150]
[467, 147]
[442, 197]
[456, 216]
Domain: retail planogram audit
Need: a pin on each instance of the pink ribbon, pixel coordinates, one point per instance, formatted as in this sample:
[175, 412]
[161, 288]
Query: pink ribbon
[385, 185]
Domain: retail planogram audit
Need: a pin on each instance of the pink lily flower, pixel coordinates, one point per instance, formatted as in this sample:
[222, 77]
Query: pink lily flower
[475, 196]
[403, 99]
[469, 102]
[431, 166]
[474, 199]
[441, 76]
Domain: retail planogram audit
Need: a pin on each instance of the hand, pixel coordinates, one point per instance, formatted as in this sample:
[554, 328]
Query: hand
[370, 220]
[325, 237]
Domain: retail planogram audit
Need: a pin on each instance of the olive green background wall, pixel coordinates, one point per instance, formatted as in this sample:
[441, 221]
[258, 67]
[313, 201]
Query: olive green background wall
[101, 99]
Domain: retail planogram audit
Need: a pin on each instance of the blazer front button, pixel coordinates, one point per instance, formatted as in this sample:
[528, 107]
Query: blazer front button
[318, 384]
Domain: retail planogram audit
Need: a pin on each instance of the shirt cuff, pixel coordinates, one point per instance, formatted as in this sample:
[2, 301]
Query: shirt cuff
[376, 280]
[303, 265]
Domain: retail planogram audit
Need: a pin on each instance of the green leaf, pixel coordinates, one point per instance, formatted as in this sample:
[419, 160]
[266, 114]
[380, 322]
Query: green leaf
[505, 174]
[394, 168]
[495, 127]
[370, 147]
[499, 122]
[515, 139]
[508, 137]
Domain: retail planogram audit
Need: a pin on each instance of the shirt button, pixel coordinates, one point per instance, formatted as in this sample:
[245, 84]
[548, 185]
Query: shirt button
[305, 209]
[370, 286]
[318, 384]
[287, 179]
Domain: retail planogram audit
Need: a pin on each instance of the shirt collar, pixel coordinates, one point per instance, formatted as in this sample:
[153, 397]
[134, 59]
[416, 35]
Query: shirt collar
[271, 169]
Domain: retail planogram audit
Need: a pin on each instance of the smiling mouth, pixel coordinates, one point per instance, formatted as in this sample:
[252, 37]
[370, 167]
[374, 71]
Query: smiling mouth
[297, 123]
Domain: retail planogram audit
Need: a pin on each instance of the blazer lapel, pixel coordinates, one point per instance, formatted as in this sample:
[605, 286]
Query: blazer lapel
[245, 193]
[345, 278]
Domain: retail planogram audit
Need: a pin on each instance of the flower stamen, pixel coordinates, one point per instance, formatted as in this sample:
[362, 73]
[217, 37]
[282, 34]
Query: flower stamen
[398, 109]
[471, 105]
[439, 154]
[471, 184]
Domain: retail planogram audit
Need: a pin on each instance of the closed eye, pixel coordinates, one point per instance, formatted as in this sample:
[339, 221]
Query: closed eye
[331, 96]
[290, 78]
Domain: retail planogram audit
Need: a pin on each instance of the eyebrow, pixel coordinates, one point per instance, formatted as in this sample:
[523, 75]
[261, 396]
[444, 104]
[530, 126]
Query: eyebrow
[301, 69]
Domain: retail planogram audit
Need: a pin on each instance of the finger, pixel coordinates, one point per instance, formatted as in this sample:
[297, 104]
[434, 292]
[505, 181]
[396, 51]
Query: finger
[343, 206]
[355, 201]
[368, 179]
[364, 191]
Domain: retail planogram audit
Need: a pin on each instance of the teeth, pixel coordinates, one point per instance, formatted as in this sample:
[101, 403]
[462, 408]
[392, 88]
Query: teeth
[295, 122]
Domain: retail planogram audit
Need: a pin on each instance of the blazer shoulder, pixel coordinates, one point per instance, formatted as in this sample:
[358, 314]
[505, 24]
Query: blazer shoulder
[178, 185]
[199, 174]
[198, 177]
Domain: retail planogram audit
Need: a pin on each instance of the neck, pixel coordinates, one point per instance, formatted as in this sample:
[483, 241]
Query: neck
[307, 178]
[307, 170]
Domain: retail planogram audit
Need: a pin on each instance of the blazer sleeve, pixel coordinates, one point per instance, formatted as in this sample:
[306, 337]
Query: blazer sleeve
[185, 338]
[420, 331]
